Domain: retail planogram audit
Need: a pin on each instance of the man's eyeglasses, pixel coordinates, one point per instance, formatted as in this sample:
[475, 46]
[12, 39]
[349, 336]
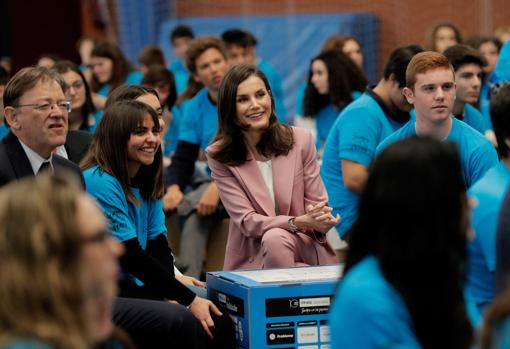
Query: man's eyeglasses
[64, 106]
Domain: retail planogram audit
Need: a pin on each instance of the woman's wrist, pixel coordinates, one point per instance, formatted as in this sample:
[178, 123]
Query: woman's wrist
[298, 224]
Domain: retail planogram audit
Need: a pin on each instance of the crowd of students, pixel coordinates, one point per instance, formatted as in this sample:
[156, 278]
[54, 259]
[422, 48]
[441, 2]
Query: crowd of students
[411, 172]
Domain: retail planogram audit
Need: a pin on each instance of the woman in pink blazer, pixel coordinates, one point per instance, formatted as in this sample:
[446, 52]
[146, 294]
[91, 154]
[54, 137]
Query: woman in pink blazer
[268, 179]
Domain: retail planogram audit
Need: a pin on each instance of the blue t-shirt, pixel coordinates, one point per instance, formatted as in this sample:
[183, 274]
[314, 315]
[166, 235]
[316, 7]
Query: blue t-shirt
[369, 313]
[474, 118]
[485, 105]
[477, 155]
[126, 220]
[500, 335]
[172, 134]
[488, 193]
[325, 120]
[4, 130]
[133, 78]
[357, 131]
[199, 121]
[181, 75]
[502, 69]
[275, 82]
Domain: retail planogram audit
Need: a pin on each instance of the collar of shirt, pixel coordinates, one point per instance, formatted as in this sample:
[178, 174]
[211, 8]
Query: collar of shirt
[35, 159]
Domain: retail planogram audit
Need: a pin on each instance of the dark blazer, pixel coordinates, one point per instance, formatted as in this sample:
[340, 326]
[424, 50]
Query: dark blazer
[14, 163]
[77, 145]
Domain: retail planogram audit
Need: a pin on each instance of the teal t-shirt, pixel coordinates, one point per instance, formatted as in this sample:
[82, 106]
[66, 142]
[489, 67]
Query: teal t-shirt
[477, 154]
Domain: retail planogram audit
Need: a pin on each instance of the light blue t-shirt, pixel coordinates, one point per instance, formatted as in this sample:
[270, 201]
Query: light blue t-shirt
[357, 131]
[199, 121]
[474, 118]
[133, 78]
[488, 193]
[368, 312]
[181, 75]
[126, 220]
[477, 155]
[275, 82]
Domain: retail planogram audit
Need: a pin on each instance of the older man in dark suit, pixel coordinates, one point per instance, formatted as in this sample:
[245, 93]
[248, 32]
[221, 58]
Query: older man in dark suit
[37, 111]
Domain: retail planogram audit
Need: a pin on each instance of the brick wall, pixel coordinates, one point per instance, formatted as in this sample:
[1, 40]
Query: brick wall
[402, 21]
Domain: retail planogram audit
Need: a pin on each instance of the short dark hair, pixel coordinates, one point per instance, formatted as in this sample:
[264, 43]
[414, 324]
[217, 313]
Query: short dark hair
[500, 116]
[158, 74]
[181, 31]
[230, 147]
[151, 55]
[344, 77]
[461, 54]
[88, 107]
[417, 230]
[109, 149]
[200, 45]
[27, 78]
[239, 37]
[128, 93]
[398, 61]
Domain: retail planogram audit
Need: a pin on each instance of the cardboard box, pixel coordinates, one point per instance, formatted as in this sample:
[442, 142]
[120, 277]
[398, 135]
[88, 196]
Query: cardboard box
[277, 308]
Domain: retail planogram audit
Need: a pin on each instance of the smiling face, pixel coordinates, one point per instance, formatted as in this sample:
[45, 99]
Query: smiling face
[320, 76]
[143, 144]
[41, 130]
[253, 104]
[433, 95]
[469, 79]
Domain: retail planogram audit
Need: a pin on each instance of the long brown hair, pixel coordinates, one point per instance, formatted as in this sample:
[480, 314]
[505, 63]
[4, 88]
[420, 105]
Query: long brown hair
[109, 149]
[231, 148]
[41, 287]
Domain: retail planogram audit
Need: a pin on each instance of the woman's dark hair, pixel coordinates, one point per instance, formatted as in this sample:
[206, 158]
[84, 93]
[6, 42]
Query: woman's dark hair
[88, 108]
[159, 74]
[109, 149]
[344, 77]
[129, 93]
[120, 65]
[413, 218]
[277, 140]
[478, 40]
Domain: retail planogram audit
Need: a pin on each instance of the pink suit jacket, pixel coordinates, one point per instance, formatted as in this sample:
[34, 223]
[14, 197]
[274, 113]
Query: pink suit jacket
[243, 192]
